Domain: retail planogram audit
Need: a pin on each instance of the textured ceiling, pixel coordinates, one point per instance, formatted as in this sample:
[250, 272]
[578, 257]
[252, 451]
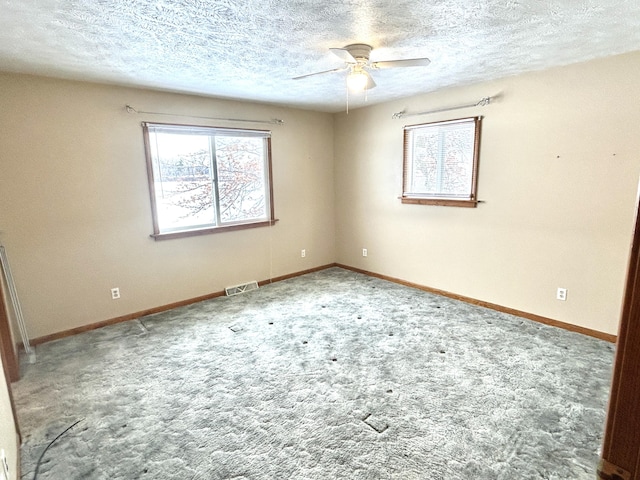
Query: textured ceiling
[250, 49]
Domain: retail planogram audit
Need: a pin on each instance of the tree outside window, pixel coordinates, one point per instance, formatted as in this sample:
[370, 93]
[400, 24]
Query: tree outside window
[205, 179]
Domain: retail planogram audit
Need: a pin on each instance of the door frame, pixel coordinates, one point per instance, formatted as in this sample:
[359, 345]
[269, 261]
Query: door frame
[7, 347]
[621, 447]
[10, 362]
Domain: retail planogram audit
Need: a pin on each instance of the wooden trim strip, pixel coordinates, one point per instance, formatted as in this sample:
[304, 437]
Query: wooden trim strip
[208, 230]
[405, 160]
[150, 311]
[499, 308]
[621, 445]
[10, 363]
[476, 157]
[297, 274]
[122, 318]
[7, 347]
[272, 211]
[162, 308]
[442, 202]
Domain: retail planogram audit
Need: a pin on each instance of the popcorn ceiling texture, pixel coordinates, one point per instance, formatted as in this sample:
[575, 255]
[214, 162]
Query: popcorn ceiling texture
[333, 375]
[250, 49]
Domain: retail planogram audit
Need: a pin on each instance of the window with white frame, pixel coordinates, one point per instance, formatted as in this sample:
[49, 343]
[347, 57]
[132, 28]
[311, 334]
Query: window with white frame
[206, 179]
[441, 163]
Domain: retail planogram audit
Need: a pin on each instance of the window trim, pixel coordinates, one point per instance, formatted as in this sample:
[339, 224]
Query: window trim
[157, 234]
[416, 199]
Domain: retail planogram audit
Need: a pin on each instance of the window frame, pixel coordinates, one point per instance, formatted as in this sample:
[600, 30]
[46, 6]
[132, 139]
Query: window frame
[425, 199]
[193, 231]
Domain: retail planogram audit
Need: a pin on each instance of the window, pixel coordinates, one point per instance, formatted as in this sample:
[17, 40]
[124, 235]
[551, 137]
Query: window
[204, 179]
[441, 163]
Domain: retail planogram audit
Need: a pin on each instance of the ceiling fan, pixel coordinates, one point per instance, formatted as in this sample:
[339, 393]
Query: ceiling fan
[357, 63]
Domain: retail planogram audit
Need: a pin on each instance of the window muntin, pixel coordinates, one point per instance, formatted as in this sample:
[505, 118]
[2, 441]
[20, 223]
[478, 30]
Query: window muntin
[205, 179]
[441, 162]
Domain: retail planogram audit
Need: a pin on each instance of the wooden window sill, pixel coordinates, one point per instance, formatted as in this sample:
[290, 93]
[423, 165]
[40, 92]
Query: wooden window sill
[208, 230]
[443, 202]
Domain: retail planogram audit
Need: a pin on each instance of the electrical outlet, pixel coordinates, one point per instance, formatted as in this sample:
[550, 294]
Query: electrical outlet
[115, 293]
[303, 253]
[364, 252]
[561, 294]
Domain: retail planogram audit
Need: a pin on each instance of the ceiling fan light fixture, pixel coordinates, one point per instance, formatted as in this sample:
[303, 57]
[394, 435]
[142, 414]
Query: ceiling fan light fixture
[357, 80]
[356, 63]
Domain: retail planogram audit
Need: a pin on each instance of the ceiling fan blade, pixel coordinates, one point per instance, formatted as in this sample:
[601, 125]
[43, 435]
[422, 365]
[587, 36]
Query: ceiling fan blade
[343, 55]
[320, 73]
[410, 62]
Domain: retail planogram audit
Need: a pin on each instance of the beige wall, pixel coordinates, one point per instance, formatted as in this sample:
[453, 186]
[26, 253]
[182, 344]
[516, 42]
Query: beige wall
[559, 168]
[8, 434]
[76, 219]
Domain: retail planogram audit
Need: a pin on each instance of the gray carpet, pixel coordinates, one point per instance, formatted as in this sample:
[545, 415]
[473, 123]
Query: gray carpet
[332, 375]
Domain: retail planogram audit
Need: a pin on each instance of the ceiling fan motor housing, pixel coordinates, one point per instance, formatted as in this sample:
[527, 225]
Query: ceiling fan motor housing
[359, 51]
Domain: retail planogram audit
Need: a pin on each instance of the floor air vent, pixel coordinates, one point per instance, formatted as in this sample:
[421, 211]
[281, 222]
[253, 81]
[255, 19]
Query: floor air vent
[238, 289]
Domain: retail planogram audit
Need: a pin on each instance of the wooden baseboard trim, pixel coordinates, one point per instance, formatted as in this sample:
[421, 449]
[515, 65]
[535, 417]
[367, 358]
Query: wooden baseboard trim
[122, 318]
[297, 274]
[499, 308]
[162, 308]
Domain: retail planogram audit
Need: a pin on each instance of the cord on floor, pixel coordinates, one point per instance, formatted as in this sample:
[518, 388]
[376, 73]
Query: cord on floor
[35, 475]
